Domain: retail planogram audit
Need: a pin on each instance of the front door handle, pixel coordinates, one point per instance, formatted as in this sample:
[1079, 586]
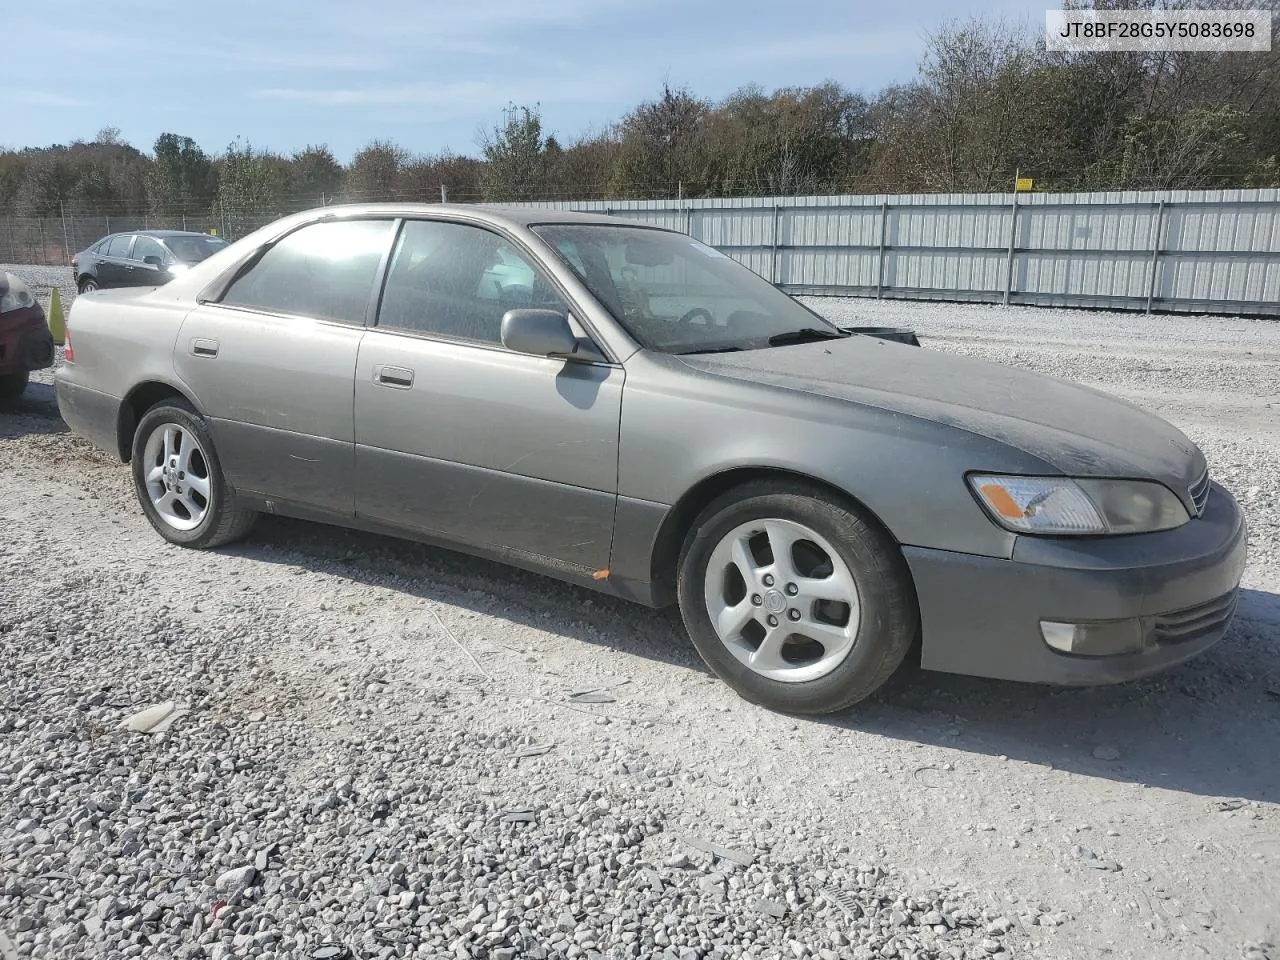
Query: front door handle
[399, 377]
[204, 348]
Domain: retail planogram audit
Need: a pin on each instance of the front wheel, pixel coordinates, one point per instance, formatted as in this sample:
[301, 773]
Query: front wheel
[88, 285]
[179, 481]
[12, 385]
[797, 601]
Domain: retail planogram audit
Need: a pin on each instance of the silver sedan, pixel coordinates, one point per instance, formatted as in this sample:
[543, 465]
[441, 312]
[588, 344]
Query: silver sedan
[626, 408]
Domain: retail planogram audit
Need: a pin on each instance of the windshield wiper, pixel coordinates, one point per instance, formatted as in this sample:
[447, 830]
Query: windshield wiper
[804, 335]
[683, 353]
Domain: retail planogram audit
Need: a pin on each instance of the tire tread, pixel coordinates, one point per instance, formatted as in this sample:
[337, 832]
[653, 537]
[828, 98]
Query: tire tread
[899, 616]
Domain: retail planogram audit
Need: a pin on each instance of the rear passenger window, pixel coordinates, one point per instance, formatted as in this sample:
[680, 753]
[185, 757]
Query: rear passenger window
[457, 281]
[324, 271]
[119, 246]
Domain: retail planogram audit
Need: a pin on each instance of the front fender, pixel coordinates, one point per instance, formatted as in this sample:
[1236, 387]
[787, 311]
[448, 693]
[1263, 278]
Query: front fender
[681, 427]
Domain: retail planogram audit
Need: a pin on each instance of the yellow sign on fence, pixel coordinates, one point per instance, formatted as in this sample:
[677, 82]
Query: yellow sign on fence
[1024, 184]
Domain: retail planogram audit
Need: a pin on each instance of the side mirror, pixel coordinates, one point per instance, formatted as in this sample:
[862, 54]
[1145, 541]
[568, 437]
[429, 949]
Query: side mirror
[544, 333]
[152, 259]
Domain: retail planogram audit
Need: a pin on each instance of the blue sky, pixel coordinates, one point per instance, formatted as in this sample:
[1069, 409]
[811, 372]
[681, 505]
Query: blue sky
[284, 73]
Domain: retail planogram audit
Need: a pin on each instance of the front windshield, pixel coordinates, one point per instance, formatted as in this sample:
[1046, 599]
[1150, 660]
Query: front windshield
[676, 295]
[195, 249]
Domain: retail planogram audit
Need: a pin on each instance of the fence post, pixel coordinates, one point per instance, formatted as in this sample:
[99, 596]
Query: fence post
[184, 222]
[13, 242]
[1013, 235]
[444, 193]
[884, 226]
[1155, 255]
[688, 221]
[43, 254]
[66, 241]
[108, 225]
[222, 211]
[773, 262]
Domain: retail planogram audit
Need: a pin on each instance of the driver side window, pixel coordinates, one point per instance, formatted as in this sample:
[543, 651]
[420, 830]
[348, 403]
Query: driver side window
[456, 280]
[145, 247]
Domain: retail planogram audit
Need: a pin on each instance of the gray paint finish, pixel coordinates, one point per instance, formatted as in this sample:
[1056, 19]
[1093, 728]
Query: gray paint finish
[489, 445]
[570, 468]
[278, 392]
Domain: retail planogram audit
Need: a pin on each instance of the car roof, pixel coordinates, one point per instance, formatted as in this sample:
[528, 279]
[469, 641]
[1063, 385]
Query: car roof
[156, 234]
[162, 234]
[494, 213]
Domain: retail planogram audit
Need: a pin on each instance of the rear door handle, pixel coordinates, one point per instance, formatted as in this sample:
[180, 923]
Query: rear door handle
[204, 348]
[399, 377]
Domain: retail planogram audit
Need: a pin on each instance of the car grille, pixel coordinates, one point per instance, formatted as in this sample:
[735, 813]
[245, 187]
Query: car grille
[1199, 492]
[1194, 622]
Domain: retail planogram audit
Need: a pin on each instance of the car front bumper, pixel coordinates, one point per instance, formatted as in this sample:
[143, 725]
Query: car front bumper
[981, 616]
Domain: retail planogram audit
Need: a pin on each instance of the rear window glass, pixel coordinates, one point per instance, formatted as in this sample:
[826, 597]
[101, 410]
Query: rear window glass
[324, 271]
[119, 246]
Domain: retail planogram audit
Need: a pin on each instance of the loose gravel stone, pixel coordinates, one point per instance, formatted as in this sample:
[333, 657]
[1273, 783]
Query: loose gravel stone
[343, 783]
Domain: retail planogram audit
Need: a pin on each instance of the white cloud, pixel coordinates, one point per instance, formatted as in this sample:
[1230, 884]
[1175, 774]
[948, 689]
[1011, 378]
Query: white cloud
[45, 98]
[461, 97]
[871, 44]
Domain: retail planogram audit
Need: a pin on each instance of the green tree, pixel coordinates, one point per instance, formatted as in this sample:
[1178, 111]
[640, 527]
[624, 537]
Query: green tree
[183, 178]
[515, 156]
[316, 174]
[373, 174]
[663, 148]
[251, 187]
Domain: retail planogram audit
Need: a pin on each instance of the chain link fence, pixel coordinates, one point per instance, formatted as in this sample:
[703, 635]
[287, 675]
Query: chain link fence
[53, 241]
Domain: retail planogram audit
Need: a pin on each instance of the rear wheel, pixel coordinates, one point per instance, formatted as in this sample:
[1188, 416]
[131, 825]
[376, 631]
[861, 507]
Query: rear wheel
[88, 284]
[179, 481]
[12, 385]
[797, 601]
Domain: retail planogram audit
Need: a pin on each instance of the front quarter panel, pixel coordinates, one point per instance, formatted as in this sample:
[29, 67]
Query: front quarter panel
[680, 427]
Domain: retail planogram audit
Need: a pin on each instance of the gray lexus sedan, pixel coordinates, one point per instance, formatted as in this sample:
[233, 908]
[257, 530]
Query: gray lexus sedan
[626, 408]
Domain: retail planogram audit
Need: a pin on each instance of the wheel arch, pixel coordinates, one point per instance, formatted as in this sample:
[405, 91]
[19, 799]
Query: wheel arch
[137, 402]
[675, 525]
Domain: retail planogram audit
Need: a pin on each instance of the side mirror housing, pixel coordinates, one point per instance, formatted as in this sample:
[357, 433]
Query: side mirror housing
[545, 333]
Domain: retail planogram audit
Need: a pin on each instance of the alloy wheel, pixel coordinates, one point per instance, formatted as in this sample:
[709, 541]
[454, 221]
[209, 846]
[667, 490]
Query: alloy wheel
[781, 600]
[177, 476]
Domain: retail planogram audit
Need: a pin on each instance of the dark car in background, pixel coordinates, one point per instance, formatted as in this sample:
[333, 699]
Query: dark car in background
[143, 258]
[25, 341]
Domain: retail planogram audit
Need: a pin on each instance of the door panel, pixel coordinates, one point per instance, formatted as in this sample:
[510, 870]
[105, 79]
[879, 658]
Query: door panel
[277, 391]
[141, 273]
[488, 447]
[112, 270]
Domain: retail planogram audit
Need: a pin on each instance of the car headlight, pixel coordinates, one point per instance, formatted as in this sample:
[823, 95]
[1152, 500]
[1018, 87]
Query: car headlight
[1061, 506]
[16, 296]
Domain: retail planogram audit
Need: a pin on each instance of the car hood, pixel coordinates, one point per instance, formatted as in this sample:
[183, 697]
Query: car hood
[1072, 428]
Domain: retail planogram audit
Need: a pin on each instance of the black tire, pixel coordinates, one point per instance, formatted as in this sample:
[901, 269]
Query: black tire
[889, 617]
[13, 385]
[224, 520]
[88, 284]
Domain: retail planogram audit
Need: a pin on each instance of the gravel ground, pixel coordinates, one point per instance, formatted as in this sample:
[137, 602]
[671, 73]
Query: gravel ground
[375, 750]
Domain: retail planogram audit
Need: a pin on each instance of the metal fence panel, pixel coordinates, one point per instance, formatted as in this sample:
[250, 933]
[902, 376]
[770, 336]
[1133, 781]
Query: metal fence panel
[1191, 251]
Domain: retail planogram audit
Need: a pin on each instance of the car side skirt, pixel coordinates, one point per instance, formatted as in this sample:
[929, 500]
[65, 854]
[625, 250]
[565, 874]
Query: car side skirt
[624, 588]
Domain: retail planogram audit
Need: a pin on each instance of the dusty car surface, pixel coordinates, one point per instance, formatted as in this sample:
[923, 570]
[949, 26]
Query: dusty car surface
[626, 408]
[25, 341]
